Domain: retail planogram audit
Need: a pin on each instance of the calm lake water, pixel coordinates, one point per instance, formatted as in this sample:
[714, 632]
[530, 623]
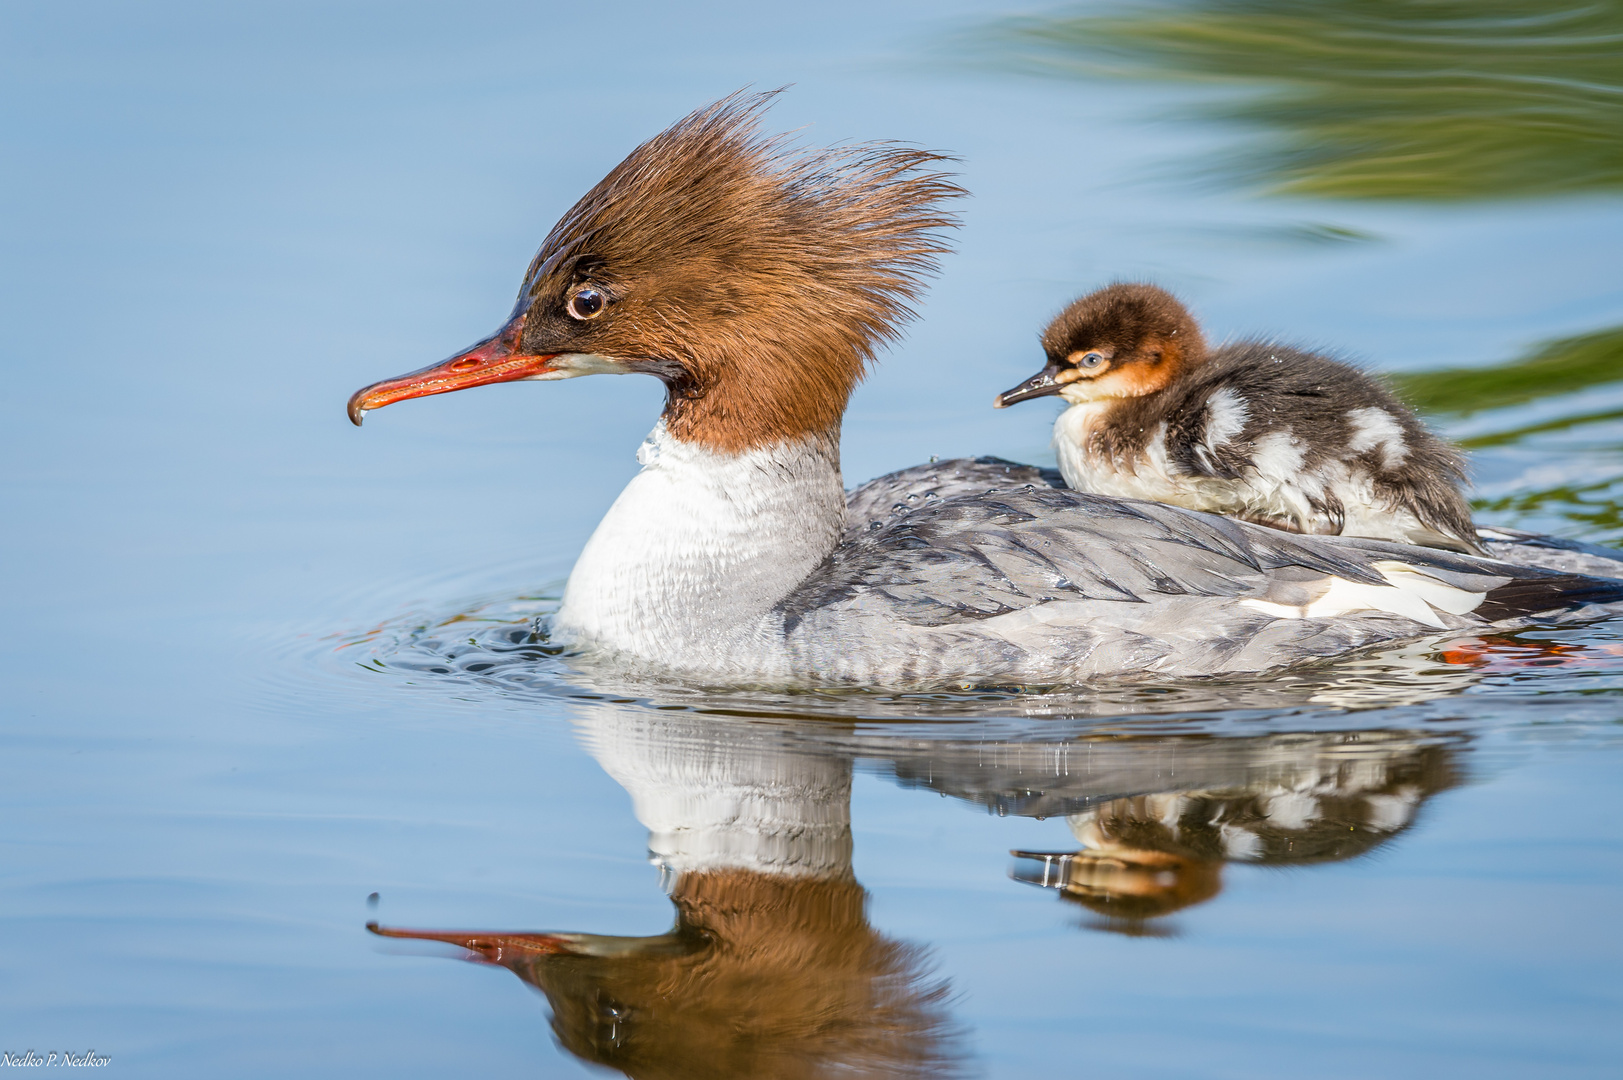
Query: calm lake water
[259, 665]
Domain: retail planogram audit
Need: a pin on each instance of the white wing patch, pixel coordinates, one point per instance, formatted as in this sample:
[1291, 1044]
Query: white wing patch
[1374, 427]
[1389, 813]
[1410, 592]
[1439, 594]
[1294, 810]
[1226, 414]
[1278, 456]
[1155, 451]
[1241, 845]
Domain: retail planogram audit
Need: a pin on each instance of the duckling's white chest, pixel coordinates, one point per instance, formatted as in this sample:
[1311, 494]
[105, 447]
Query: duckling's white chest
[1088, 466]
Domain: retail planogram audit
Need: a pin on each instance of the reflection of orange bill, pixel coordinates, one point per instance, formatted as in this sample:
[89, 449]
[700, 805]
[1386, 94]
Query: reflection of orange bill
[1495, 653]
[498, 948]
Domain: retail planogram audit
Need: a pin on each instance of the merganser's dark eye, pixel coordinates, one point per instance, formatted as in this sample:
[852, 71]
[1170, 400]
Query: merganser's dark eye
[588, 303]
[1089, 361]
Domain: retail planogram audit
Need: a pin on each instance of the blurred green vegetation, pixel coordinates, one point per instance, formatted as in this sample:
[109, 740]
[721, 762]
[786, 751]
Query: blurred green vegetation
[1596, 508]
[1373, 99]
[1567, 366]
[1559, 367]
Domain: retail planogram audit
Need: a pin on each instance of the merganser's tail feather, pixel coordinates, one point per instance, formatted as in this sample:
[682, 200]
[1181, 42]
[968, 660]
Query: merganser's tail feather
[1547, 592]
[1499, 534]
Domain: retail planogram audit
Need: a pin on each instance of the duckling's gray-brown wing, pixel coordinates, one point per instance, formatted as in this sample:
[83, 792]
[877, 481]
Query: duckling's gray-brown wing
[1047, 585]
[1228, 418]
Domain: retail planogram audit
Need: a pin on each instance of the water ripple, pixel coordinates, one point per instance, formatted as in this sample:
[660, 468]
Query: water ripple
[495, 650]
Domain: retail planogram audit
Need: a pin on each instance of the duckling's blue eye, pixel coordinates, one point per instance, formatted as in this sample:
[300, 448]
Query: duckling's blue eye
[586, 304]
[1090, 360]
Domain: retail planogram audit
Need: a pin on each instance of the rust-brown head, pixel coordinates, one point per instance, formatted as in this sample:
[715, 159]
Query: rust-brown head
[1122, 341]
[755, 279]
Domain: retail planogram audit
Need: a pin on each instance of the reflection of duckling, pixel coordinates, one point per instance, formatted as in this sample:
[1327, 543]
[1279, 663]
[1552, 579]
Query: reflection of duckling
[1151, 855]
[1254, 430]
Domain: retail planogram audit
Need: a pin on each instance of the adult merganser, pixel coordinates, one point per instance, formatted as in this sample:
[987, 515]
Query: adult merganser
[756, 282]
[1255, 430]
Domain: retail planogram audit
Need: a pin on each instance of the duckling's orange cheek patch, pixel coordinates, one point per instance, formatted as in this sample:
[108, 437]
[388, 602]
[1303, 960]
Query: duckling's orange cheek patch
[1138, 380]
[1128, 382]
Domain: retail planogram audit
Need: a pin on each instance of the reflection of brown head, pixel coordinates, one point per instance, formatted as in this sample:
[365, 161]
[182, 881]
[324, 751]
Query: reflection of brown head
[761, 977]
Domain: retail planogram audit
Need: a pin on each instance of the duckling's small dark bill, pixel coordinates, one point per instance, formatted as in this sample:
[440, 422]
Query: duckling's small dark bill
[1039, 385]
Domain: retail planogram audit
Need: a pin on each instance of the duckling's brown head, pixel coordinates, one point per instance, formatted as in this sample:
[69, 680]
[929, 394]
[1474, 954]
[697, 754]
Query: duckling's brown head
[756, 279]
[1122, 341]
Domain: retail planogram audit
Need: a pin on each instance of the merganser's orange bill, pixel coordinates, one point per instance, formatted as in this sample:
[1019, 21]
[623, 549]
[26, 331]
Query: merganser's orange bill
[1039, 385]
[495, 359]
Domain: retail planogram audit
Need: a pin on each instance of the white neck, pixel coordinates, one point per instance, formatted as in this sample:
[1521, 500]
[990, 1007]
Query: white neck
[699, 545]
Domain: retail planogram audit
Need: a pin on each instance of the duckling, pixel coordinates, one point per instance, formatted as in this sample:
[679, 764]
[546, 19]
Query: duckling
[1254, 430]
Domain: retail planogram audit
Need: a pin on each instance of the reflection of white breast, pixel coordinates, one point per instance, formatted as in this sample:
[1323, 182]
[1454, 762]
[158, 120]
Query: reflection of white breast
[743, 803]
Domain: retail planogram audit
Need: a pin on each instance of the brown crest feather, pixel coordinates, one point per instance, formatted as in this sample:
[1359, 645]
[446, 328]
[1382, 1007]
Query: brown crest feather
[756, 278]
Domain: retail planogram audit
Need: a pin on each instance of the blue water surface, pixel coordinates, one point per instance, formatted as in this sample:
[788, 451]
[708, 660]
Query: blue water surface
[259, 665]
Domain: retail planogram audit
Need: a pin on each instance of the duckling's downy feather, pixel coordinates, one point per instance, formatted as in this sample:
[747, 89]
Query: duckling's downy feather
[1307, 429]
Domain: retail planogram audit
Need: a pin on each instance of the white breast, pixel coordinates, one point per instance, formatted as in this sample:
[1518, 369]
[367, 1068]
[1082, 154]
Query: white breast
[701, 544]
[744, 803]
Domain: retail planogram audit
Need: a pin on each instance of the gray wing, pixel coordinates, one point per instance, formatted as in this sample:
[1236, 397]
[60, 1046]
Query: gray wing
[1049, 585]
[1550, 552]
[897, 494]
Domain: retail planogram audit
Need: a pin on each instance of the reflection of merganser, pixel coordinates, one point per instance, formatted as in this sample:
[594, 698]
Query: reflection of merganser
[1256, 430]
[756, 283]
[772, 968]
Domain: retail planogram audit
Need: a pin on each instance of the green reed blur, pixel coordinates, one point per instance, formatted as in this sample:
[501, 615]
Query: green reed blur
[1374, 99]
[1558, 367]
[1501, 392]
